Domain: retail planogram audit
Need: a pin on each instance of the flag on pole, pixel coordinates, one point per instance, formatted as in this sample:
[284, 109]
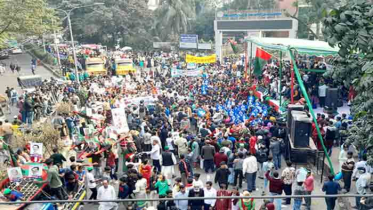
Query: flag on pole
[261, 58]
[233, 45]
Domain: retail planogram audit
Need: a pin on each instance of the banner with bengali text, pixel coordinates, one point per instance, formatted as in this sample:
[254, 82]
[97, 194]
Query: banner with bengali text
[188, 73]
[205, 59]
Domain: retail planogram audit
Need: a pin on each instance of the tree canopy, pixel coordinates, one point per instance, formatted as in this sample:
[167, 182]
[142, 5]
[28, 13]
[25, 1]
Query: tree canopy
[25, 17]
[350, 28]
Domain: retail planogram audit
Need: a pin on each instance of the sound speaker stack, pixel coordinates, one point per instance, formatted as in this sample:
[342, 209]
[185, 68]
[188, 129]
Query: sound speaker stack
[300, 132]
[292, 107]
[331, 99]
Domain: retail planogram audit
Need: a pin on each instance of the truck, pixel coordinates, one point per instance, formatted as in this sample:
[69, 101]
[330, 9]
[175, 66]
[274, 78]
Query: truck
[124, 66]
[95, 66]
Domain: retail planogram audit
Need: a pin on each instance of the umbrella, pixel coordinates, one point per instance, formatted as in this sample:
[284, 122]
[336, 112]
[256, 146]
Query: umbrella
[126, 48]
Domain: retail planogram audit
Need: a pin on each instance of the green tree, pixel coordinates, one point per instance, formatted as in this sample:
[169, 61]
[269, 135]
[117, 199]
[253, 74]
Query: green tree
[312, 12]
[251, 4]
[350, 28]
[24, 17]
[128, 21]
[173, 17]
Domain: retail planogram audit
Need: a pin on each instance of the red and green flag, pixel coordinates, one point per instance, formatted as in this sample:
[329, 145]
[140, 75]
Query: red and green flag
[261, 58]
[233, 45]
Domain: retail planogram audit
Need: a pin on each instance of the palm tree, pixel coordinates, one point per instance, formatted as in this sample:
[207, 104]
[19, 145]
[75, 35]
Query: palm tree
[172, 17]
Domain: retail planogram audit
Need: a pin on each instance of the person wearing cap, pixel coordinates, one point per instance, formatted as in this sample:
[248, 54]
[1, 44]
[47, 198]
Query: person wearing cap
[91, 183]
[13, 195]
[196, 192]
[182, 204]
[168, 161]
[53, 180]
[246, 203]
[362, 184]
[220, 157]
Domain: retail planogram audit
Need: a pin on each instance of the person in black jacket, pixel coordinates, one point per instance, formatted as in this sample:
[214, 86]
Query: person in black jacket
[222, 174]
[193, 193]
[261, 156]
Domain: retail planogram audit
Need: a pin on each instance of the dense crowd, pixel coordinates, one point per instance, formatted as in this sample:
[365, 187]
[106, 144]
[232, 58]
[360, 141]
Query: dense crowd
[211, 126]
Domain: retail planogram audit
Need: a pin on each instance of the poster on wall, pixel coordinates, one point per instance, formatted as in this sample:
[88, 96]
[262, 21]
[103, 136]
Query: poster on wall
[36, 150]
[15, 174]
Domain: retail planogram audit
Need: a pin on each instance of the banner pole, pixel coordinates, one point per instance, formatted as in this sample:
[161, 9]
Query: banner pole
[246, 46]
[292, 82]
[251, 60]
[280, 78]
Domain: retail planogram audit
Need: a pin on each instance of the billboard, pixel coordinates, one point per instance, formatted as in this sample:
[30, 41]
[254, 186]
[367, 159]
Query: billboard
[188, 41]
[204, 46]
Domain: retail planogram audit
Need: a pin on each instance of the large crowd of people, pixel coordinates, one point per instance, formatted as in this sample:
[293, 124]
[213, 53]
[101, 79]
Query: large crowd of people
[180, 129]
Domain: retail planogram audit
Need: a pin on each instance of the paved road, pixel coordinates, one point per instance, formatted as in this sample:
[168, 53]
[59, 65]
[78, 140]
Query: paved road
[9, 79]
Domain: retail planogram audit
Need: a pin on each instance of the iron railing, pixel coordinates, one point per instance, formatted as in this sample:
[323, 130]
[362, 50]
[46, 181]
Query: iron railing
[194, 198]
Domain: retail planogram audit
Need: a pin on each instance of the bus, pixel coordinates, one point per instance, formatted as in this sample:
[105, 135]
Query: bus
[95, 66]
[124, 66]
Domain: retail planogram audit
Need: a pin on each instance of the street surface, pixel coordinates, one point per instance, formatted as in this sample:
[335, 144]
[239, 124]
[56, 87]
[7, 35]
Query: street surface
[9, 79]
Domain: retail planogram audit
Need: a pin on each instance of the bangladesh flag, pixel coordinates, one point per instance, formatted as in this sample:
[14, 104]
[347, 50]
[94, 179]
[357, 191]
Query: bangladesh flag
[233, 45]
[261, 58]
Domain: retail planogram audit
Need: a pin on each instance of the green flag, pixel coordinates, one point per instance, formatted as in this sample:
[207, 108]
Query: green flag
[261, 58]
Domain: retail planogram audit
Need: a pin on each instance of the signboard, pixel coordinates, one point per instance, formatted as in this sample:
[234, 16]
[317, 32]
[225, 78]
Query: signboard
[260, 14]
[188, 45]
[186, 73]
[189, 38]
[188, 41]
[162, 45]
[204, 46]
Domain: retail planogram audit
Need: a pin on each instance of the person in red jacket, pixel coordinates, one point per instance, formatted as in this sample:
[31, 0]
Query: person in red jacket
[276, 185]
[220, 157]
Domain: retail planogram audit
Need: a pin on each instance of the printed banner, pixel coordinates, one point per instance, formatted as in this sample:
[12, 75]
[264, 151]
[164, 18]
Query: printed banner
[36, 171]
[195, 59]
[120, 120]
[36, 150]
[15, 174]
[187, 73]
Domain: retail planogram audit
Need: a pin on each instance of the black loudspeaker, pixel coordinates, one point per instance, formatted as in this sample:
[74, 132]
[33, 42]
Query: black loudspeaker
[331, 99]
[300, 131]
[292, 114]
[292, 107]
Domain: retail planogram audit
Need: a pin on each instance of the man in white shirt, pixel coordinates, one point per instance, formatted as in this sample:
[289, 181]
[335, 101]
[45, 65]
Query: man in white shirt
[209, 192]
[322, 94]
[91, 183]
[155, 155]
[250, 167]
[107, 192]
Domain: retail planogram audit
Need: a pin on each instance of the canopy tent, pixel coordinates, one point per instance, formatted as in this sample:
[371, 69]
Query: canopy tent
[301, 46]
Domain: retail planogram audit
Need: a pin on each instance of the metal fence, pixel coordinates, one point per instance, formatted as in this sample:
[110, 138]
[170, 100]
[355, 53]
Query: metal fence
[196, 198]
